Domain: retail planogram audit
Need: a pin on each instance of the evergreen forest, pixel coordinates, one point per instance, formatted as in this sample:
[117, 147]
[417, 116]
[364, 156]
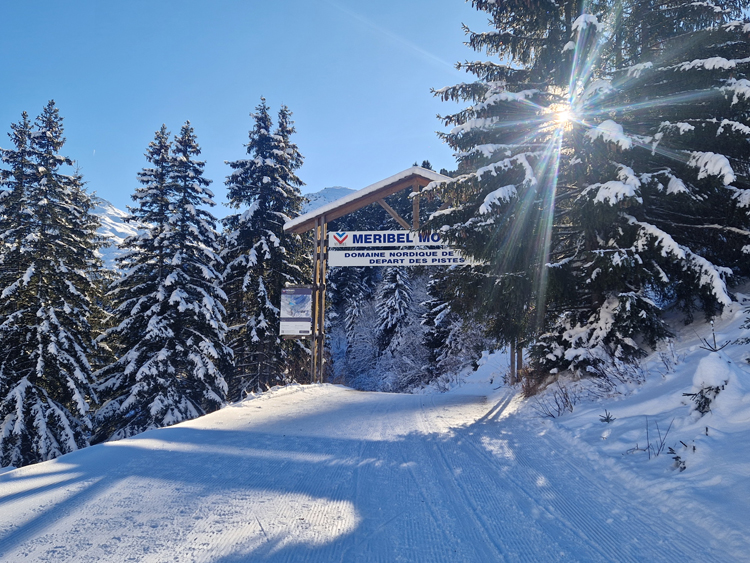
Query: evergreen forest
[602, 179]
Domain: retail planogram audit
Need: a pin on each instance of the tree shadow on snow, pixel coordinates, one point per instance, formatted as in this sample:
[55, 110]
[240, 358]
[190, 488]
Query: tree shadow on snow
[289, 492]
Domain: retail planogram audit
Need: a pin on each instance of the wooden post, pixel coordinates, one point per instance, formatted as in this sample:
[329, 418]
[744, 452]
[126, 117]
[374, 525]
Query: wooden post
[320, 258]
[415, 207]
[323, 261]
[314, 331]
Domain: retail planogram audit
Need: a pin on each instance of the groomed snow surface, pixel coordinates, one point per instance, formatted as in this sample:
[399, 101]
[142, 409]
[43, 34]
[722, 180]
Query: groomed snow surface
[325, 473]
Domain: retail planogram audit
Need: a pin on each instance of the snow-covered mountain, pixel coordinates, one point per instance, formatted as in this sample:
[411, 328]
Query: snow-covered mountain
[114, 228]
[324, 196]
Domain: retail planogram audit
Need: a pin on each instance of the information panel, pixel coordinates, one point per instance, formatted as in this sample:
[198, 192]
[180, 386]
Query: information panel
[296, 311]
[364, 239]
[416, 257]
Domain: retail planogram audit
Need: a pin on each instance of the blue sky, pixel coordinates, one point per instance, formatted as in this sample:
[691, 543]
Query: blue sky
[356, 75]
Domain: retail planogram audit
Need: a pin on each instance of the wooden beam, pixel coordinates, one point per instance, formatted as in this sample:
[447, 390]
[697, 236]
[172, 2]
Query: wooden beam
[363, 201]
[392, 213]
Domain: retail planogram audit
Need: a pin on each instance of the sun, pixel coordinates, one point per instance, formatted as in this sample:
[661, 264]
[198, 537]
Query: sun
[560, 115]
[564, 116]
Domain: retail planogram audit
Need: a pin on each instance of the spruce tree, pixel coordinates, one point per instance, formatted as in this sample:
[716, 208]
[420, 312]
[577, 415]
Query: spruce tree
[401, 363]
[394, 299]
[47, 266]
[347, 289]
[260, 258]
[661, 201]
[354, 291]
[17, 182]
[452, 336]
[589, 189]
[168, 304]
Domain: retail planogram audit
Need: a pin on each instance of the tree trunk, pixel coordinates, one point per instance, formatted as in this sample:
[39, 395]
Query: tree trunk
[512, 376]
[519, 361]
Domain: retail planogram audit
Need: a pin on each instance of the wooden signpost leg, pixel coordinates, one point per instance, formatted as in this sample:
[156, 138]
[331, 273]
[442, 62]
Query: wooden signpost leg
[314, 328]
[323, 262]
[320, 256]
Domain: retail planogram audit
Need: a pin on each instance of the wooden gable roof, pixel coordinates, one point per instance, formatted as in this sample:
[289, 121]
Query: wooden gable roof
[409, 178]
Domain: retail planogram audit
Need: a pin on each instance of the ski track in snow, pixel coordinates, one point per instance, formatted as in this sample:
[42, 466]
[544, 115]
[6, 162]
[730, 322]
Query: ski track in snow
[325, 473]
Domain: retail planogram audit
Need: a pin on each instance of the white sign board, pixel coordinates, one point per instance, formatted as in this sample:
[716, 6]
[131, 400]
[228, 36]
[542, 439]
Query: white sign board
[296, 311]
[364, 239]
[426, 257]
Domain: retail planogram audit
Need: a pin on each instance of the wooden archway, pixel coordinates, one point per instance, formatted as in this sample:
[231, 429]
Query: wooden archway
[414, 178]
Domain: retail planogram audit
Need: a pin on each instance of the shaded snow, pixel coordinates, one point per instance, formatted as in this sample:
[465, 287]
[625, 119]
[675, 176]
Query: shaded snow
[500, 195]
[614, 191]
[738, 88]
[712, 489]
[325, 473]
[636, 70]
[676, 186]
[585, 20]
[712, 63]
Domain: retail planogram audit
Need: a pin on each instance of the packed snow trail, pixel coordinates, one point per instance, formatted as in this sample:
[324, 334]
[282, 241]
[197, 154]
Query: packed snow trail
[326, 473]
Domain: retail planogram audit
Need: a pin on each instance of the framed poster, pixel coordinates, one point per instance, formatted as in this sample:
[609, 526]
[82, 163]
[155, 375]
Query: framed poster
[296, 311]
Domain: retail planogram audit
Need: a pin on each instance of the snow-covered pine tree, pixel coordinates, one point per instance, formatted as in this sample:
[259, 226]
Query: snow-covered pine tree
[16, 182]
[367, 360]
[437, 318]
[170, 330]
[47, 264]
[498, 206]
[571, 180]
[661, 199]
[401, 362]
[348, 288]
[394, 300]
[351, 295]
[260, 258]
[194, 277]
[453, 337]
[132, 296]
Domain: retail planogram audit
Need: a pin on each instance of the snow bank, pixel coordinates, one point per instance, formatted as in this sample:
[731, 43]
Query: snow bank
[732, 403]
[691, 463]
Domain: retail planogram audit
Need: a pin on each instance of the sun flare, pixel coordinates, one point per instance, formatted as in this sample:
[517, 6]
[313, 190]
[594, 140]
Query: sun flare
[563, 115]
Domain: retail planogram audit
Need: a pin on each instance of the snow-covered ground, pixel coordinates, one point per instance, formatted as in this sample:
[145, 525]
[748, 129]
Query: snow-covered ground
[326, 473]
[705, 478]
